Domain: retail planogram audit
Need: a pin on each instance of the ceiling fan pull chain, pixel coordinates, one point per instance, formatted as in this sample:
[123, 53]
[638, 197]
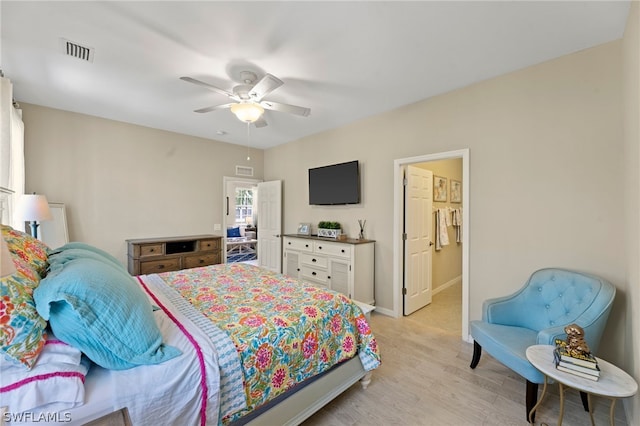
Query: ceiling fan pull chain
[248, 139]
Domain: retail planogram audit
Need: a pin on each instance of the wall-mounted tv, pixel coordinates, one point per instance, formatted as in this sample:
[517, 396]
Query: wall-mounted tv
[335, 184]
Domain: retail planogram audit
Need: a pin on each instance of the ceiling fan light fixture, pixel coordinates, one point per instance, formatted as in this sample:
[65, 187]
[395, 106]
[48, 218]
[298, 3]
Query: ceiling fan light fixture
[247, 112]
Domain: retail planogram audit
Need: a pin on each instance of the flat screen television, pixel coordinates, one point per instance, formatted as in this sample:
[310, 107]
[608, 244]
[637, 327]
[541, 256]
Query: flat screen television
[335, 184]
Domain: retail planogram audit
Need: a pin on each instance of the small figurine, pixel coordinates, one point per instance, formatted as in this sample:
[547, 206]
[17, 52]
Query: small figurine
[576, 345]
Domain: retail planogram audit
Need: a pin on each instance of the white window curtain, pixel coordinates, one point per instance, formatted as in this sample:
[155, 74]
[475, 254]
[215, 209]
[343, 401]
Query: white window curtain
[11, 154]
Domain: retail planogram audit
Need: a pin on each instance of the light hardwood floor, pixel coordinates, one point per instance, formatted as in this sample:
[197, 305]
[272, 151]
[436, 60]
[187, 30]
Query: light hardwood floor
[425, 379]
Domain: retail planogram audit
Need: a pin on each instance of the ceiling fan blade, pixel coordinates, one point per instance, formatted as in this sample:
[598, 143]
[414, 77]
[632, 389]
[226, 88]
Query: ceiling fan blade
[213, 108]
[266, 85]
[261, 122]
[208, 86]
[291, 109]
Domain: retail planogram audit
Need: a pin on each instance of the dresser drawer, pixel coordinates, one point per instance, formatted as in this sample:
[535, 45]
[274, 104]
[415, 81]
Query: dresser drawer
[151, 250]
[313, 260]
[314, 275]
[155, 266]
[332, 249]
[204, 260]
[206, 245]
[300, 244]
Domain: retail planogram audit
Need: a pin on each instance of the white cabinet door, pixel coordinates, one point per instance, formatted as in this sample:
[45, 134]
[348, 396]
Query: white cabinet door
[292, 264]
[339, 277]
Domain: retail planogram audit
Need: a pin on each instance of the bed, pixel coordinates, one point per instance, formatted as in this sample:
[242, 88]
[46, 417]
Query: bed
[235, 344]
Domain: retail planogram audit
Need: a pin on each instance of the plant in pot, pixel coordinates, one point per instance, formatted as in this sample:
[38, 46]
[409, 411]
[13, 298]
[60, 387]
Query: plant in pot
[329, 229]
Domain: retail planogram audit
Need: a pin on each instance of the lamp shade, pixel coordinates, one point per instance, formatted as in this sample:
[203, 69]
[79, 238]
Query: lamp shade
[34, 207]
[7, 267]
[247, 111]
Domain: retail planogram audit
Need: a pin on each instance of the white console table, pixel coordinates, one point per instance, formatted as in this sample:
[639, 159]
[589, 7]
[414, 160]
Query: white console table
[346, 266]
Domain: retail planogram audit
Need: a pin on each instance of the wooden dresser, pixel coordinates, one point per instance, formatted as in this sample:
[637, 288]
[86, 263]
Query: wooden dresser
[153, 255]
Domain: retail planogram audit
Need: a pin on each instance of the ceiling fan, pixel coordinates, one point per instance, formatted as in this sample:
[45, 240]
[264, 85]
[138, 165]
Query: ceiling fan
[249, 99]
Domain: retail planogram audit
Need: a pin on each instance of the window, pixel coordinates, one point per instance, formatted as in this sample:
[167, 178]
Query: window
[244, 205]
[11, 154]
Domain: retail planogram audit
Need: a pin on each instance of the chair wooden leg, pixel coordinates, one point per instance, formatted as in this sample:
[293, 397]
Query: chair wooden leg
[585, 400]
[531, 399]
[477, 353]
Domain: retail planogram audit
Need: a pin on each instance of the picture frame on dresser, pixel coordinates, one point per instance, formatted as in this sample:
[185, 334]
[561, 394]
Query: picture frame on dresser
[304, 229]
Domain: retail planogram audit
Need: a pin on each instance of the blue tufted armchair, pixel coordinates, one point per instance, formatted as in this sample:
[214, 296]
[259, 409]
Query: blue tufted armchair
[536, 315]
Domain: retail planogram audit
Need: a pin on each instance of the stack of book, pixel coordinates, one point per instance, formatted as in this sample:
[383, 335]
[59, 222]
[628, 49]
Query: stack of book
[585, 366]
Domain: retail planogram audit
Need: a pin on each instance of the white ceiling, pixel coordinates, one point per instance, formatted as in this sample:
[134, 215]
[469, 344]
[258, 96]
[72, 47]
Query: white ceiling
[344, 60]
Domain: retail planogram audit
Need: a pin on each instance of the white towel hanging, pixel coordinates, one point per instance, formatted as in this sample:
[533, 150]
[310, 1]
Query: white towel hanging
[441, 228]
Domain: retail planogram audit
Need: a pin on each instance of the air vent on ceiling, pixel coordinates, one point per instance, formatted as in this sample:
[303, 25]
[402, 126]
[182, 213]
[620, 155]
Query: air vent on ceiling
[244, 171]
[76, 50]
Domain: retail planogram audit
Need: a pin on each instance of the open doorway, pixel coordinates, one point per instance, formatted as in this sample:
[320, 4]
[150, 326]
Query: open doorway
[240, 219]
[399, 215]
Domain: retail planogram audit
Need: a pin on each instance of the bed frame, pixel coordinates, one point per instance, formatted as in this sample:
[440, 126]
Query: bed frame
[299, 406]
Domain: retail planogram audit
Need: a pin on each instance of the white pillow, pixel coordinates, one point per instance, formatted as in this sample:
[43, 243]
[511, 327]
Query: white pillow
[56, 381]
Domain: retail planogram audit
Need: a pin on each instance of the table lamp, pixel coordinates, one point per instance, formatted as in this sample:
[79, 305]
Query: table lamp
[7, 267]
[34, 208]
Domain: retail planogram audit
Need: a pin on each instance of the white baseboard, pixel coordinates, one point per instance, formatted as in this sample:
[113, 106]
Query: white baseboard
[385, 311]
[450, 283]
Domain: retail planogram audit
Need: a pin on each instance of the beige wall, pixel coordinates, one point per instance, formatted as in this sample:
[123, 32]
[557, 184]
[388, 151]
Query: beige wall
[446, 264]
[631, 290]
[546, 174]
[121, 181]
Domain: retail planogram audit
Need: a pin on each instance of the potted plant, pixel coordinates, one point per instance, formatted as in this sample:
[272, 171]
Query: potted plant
[329, 229]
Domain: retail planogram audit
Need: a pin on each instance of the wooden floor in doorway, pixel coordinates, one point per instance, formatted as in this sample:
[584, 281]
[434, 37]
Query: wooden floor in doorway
[425, 379]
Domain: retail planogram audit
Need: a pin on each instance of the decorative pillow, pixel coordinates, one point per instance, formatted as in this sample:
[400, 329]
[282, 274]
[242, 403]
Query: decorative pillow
[21, 328]
[102, 311]
[56, 381]
[80, 249]
[233, 232]
[30, 249]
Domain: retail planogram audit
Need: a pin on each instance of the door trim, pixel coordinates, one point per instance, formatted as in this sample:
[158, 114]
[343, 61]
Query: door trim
[398, 214]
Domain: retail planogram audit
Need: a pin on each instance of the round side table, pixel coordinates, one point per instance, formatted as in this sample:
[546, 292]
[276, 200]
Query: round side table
[613, 383]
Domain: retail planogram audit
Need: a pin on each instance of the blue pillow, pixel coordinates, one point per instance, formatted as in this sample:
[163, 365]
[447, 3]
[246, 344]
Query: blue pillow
[87, 247]
[66, 255]
[233, 232]
[102, 311]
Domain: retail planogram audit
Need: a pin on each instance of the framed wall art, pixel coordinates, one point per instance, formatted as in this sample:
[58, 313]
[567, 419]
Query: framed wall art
[455, 191]
[439, 189]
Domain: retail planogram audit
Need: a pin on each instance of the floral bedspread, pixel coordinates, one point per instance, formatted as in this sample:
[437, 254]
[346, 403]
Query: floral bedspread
[285, 331]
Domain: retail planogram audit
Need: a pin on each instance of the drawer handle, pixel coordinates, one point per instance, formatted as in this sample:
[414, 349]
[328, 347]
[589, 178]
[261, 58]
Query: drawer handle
[160, 266]
[289, 243]
[313, 273]
[313, 260]
[342, 250]
[201, 261]
[152, 250]
[329, 277]
[306, 245]
[319, 247]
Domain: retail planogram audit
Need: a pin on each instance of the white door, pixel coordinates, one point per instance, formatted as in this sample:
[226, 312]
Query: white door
[417, 245]
[270, 225]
